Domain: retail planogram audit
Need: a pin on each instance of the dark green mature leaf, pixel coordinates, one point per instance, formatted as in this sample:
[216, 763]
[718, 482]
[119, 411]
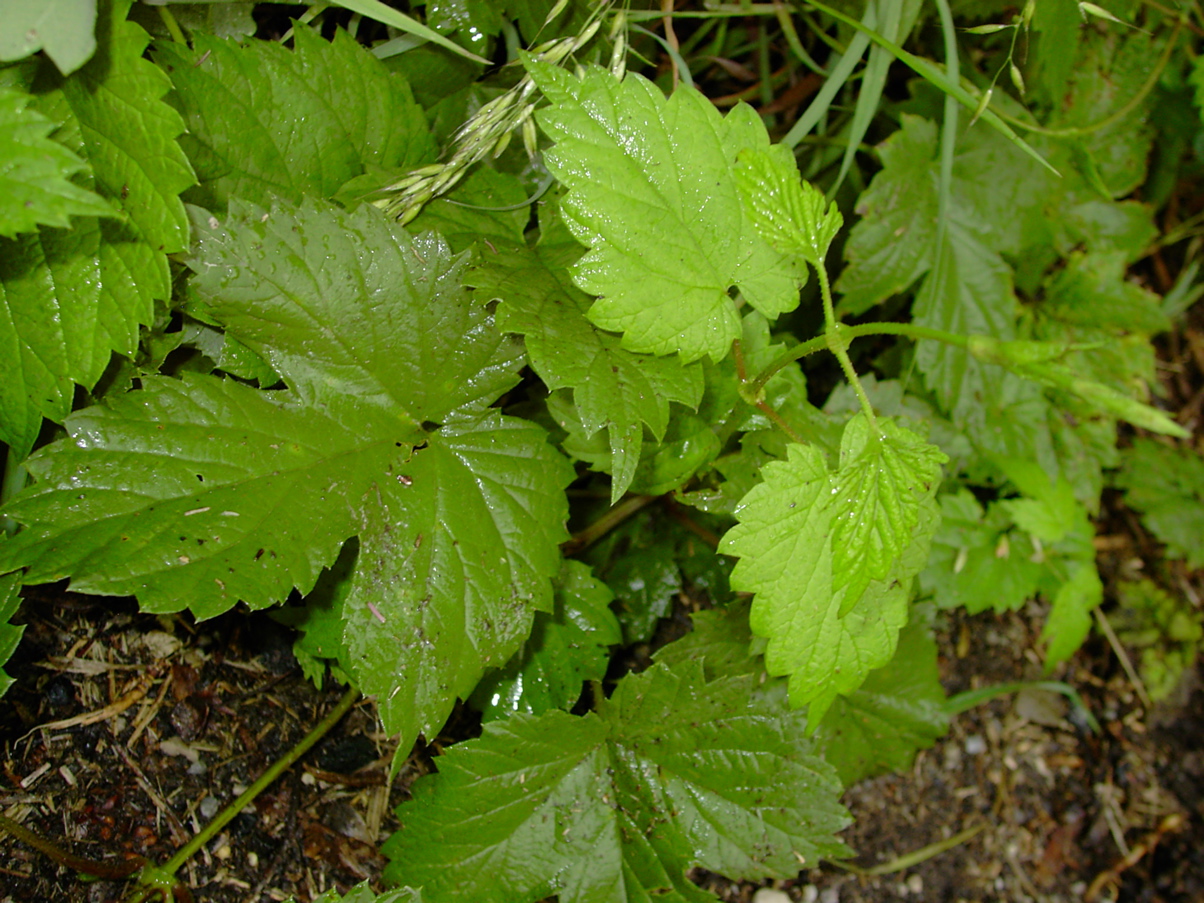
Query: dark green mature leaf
[1058, 22]
[672, 771]
[1111, 70]
[362, 893]
[384, 433]
[35, 186]
[68, 299]
[1166, 485]
[612, 388]
[265, 122]
[873, 729]
[62, 28]
[377, 324]
[456, 553]
[10, 634]
[567, 647]
[1091, 290]
[199, 493]
[652, 195]
[831, 555]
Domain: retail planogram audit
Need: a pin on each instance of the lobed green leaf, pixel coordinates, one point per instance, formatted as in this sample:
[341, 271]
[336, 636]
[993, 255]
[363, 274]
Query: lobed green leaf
[265, 122]
[831, 556]
[651, 194]
[617, 805]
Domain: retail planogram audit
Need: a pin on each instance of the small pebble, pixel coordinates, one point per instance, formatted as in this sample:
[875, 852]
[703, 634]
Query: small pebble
[770, 895]
[208, 807]
[975, 745]
[915, 884]
[810, 893]
[830, 895]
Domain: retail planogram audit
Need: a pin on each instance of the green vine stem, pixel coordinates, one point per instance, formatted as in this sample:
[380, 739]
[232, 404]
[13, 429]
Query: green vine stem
[834, 338]
[161, 879]
[848, 334]
[281, 765]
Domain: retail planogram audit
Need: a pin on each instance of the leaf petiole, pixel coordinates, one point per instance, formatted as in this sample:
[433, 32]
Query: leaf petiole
[848, 334]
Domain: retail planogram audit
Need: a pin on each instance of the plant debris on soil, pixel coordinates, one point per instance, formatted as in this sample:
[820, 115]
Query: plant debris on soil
[125, 733]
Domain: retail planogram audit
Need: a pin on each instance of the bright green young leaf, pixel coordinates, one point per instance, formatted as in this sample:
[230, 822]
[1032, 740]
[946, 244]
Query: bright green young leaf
[788, 212]
[881, 483]
[62, 28]
[651, 193]
[831, 556]
[567, 647]
[35, 186]
[612, 388]
[671, 772]
[265, 122]
[10, 634]
[1166, 485]
[1069, 619]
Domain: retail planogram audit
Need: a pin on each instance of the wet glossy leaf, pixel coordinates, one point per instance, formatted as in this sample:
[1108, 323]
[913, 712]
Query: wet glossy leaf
[831, 556]
[789, 213]
[385, 434]
[651, 194]
[68, 299]
[35, 186]
[567, 647]
[617, 805]
[266, 122]
[613, 388]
